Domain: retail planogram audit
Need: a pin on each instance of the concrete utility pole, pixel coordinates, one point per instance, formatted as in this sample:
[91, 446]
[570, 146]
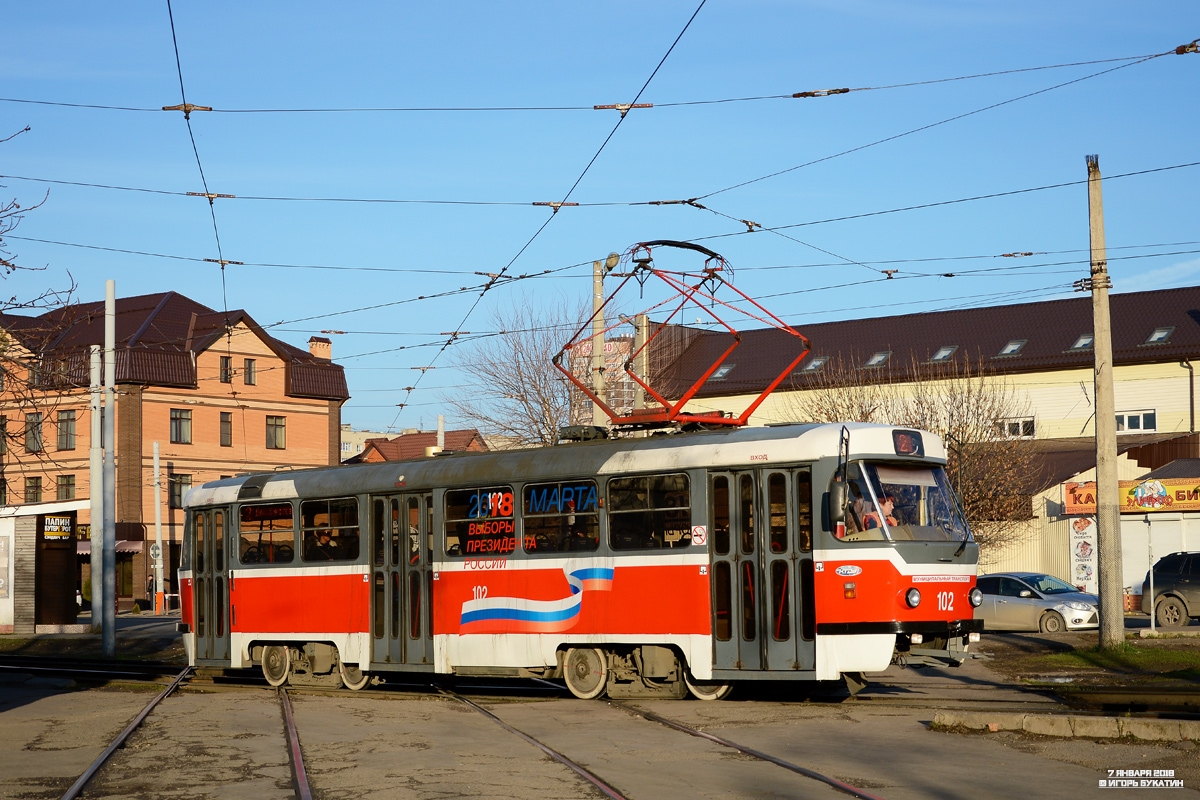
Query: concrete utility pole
[598, 415]
[640, 366]
[1108, 515]
[109, 609]
[599, 268]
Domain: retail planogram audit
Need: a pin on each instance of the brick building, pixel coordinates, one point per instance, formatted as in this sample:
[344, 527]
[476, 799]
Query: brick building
[217, 393]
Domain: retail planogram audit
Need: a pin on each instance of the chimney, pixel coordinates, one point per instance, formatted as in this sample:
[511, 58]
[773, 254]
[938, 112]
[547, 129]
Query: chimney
[320, 347]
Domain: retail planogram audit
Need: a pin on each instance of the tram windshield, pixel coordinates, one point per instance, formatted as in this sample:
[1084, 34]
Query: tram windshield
[900, 503]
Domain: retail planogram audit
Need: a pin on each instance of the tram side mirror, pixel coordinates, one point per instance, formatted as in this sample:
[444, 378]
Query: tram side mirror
[837, 501]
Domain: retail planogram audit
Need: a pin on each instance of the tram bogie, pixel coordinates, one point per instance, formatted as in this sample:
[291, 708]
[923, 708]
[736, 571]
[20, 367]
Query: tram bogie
[635, 568]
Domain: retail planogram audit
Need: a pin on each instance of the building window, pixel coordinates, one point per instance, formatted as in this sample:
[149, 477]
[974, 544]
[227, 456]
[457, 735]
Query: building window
[33, 490]
[66, 430]
[3, 435]
[1084, 342]
[3, 491]
[226, 369]
[1016, 428]
[1012, 348]
[249, 374]
[181, 426]
[276, 433]
[33, 433]
[226, 429]
[1136, 421]
[345, 447]
[943, 354]
[66, 487]
[878, 360]
[1160, 335]
[178, 486]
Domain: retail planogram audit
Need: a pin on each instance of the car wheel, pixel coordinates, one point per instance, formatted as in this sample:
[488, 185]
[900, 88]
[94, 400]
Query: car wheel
[1170, 613]
[1053, 622]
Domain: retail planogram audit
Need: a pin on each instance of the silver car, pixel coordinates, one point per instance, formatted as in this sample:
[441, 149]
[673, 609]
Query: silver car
[1031, 601]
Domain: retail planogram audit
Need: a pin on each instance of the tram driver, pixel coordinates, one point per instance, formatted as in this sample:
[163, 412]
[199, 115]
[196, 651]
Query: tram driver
[321, 547]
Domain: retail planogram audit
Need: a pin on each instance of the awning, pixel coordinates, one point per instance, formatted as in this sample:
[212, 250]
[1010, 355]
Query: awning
[83, 547]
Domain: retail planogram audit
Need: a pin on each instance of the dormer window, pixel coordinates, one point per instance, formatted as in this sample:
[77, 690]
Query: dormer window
[878, 360]
[1160, 335]
[1012, 348]
[1084, 342]
[721, 372]
[815, 364]
[943, 354]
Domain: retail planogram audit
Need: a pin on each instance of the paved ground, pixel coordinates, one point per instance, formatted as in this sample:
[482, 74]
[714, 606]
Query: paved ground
[383, 745]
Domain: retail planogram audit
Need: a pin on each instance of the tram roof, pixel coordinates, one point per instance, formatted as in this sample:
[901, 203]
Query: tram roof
[736, 448]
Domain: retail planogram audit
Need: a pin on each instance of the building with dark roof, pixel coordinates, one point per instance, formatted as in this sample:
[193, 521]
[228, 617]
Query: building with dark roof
[416, 445]
[217, 393]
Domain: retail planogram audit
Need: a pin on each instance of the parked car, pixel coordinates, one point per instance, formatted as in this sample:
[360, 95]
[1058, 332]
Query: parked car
[1032, 601]
[1176, 590]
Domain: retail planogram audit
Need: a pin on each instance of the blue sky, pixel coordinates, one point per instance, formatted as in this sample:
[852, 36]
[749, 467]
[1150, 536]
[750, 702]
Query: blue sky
[485, 169]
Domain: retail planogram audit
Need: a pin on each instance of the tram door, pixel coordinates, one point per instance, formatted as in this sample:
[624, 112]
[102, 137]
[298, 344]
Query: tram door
[761, 543]
[210, 572]
[401, 613]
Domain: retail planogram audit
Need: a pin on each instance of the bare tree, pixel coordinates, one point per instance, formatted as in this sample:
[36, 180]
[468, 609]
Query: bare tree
[33, 380]
[515, 391]
[962, 401]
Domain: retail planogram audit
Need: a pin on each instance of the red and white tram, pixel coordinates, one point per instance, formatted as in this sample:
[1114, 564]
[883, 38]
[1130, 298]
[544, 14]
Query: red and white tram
[633, 567]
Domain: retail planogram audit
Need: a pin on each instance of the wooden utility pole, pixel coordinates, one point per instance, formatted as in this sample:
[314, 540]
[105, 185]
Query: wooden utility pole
[1108, 516]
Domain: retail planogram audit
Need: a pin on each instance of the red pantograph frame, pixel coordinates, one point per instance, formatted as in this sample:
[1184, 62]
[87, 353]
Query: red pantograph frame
[674, 413]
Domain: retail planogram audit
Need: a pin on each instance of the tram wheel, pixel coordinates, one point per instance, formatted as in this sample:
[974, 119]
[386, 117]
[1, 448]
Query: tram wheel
[276, 664]
[707, 690]
[586, 672]
[353, 678]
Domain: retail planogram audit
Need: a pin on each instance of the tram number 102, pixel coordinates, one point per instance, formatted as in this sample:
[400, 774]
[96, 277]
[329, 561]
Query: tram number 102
[479, 592]
[945, 601]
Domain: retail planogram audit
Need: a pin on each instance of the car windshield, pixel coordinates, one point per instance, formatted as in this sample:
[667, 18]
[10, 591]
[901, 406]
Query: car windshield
[1048, 584]
[902, 503]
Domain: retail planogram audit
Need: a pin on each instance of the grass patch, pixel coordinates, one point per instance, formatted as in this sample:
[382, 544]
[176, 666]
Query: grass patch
[1129, 658]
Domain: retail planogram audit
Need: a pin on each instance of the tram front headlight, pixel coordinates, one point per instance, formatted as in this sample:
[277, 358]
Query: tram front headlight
[976, 597]
[913, 597]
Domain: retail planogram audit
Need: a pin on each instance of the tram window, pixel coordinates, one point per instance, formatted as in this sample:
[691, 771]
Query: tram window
[560, 516]
[395, 589]
[803, 515]
[722, 600]
[746, 504]
[414, 605]
[395, 505]
[330, 529]
[219, 539]
[777, 506]
[266, 534]
[480, 521]
[720, 514]
[379, 532]
[780, 605]
[414, 530]
[380, 607]
[749, 612]
[649, 511]
[198, 522]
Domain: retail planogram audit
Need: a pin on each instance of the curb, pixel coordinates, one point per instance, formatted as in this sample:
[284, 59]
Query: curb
[1069, 726]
